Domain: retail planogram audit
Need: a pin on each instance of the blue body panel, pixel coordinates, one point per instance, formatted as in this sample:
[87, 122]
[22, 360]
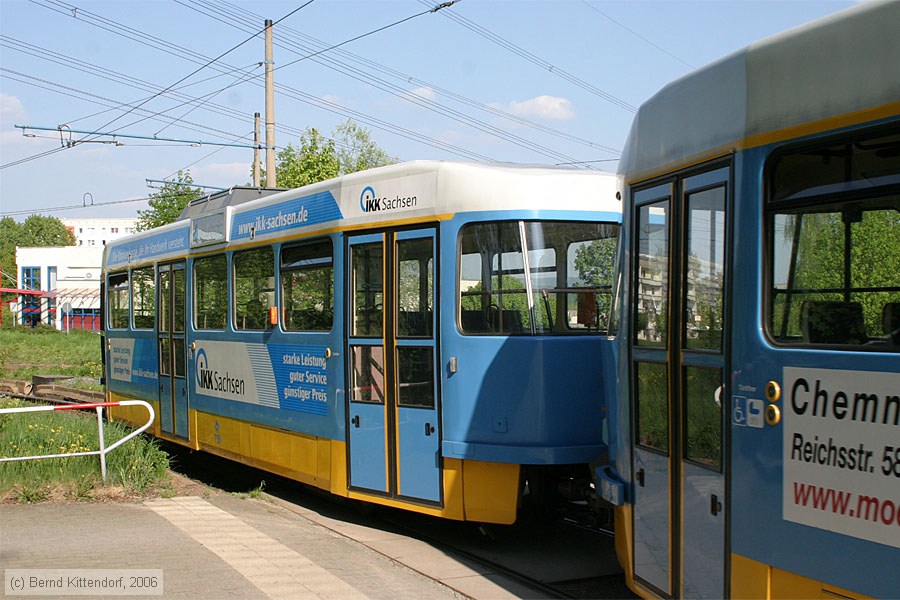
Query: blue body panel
[758, 530]
[652, 526]
[758, 491]
[522, 399]
[133, 364]
[368, 443]
[166, 414]
[419, 461]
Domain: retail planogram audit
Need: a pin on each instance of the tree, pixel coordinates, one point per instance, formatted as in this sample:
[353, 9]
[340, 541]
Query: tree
[9, 239]
[350, 149]
[821, 262]
[36, 230]
[316, 160]
[166, 204]
[356, 149]
[45, 231]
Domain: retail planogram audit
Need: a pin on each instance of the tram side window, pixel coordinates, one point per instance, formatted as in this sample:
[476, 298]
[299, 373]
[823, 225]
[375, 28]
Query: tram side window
[537, 277]
[834, 231]
[307, 287]
[254, 288]
[143, 294]
[493, 298]
[210, 292]
[117, 301]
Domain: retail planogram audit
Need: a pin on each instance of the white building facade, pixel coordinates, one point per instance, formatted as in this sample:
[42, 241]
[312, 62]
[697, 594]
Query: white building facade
[97, 232]
[69, 277]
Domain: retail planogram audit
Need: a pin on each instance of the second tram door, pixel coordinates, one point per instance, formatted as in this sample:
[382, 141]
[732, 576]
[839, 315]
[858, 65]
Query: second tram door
[678, 375]
[173, 404]
[392, 399]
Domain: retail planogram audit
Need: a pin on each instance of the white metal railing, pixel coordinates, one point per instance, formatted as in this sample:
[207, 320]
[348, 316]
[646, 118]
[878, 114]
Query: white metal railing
[99, 406]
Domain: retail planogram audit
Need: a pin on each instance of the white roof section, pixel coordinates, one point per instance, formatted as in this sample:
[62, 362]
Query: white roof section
[835, 66]
[405, 192]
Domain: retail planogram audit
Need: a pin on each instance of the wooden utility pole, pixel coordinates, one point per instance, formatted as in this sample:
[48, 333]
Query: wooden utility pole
[256, 150]
[270, 109]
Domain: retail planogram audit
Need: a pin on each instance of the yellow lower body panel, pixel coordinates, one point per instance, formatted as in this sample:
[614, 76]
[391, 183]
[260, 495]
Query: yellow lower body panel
[749, 579]
[473, 491]
[134, 416]
[305, 458]
[752, 579]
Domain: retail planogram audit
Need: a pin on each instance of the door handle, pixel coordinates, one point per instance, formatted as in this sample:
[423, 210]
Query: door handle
[715, 507]
[640, 477]
[355, 421]
[429, 428]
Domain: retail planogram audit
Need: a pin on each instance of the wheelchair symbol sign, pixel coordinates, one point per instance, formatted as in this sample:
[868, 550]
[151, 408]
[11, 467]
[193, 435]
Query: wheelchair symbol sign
[739, 411]
[747, 413]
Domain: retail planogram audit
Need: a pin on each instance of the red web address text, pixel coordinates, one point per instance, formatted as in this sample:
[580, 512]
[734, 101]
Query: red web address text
[839, 502]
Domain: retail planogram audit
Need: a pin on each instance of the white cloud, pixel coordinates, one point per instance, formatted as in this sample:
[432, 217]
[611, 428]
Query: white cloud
[11, 108]
[346, 102]
[545, 107]
[425, 92]
[223, 174]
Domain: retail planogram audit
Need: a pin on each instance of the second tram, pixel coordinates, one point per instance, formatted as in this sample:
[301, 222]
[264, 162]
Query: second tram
[428, 335]
[759, 427]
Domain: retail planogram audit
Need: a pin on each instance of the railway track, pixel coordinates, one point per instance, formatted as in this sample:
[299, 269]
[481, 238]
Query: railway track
[554, 558]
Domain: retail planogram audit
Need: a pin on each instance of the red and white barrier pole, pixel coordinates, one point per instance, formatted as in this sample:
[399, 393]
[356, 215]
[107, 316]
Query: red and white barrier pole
[99, 406]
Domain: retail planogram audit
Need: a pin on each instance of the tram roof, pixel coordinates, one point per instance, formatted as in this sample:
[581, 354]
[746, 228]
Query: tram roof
[835, 71]
[414, 191]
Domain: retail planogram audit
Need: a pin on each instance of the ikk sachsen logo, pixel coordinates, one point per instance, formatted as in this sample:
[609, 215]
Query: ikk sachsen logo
[212, 381]
[369, 201]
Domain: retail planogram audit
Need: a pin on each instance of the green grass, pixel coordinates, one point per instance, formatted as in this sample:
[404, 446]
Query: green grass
[133, 468]
[45, 351]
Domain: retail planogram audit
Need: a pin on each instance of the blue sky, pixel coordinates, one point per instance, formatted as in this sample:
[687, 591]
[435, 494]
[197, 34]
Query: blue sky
[560, 86]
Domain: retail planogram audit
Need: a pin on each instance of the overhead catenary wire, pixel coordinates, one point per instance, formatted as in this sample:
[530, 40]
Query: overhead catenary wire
[19, 45]
[71, 207]
[637, 35]
[93, 98]
[484, 127]
[295, 41]
[205, 65]
[186, 54]
[533, 58]
[103, 101]
[446, 111]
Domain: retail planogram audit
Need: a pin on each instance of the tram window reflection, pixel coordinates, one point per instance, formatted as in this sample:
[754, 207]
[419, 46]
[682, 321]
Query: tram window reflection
[307, 287]
[536, 277]
[254, 288]
[143, 294]
[117, 300]
[210, 292]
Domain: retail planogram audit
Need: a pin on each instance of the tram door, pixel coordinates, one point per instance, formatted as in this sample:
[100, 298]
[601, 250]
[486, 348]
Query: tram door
[393, 404]
[173, 413]
[678, 371]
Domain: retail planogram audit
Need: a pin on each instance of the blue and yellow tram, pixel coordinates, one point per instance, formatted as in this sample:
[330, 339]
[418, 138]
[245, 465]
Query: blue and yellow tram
[758, 433]
[428, 335]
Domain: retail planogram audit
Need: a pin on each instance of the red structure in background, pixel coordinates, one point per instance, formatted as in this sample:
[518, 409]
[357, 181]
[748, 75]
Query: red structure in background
[79, 315]
[21, 293]
[76, 318]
